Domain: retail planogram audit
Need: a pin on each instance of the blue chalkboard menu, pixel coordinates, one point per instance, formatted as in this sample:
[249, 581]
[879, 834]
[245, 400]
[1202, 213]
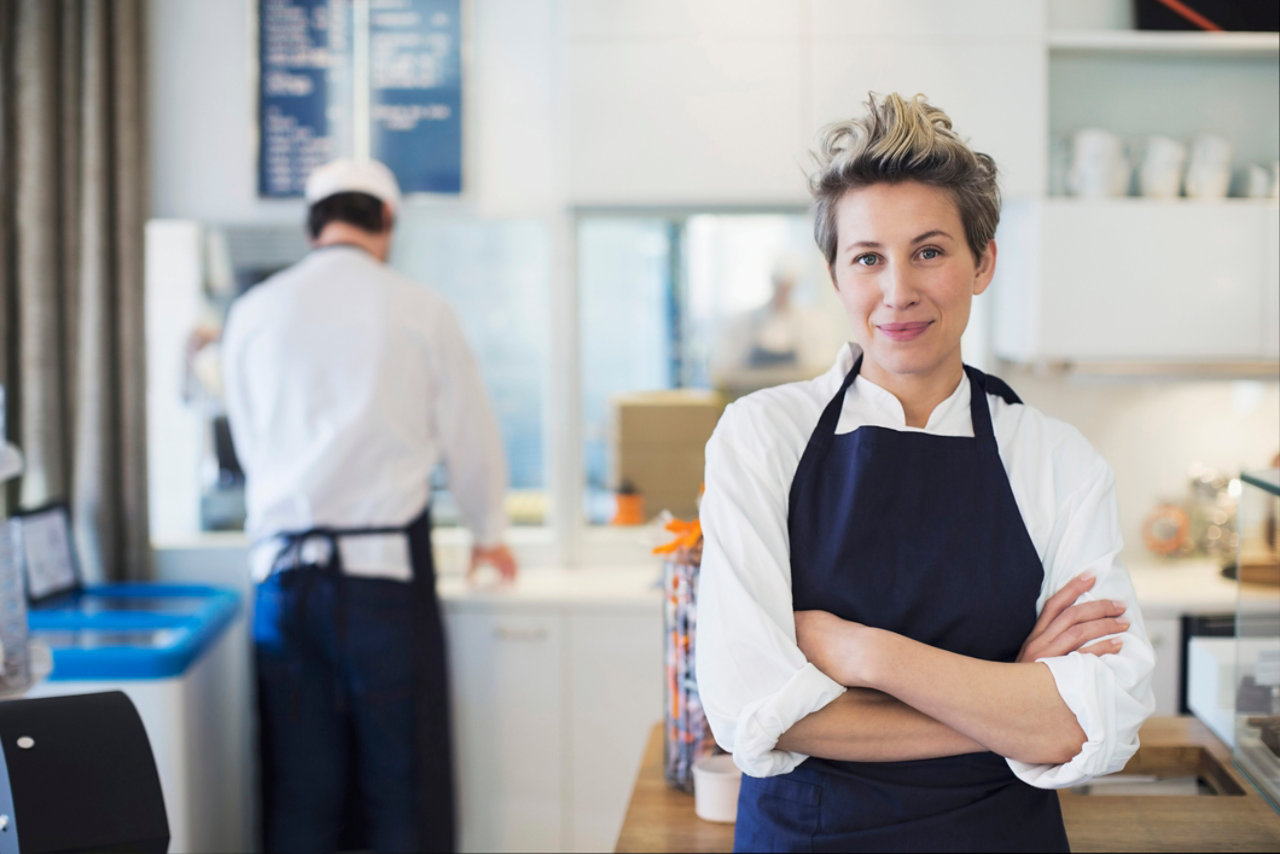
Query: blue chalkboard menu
[402, 102]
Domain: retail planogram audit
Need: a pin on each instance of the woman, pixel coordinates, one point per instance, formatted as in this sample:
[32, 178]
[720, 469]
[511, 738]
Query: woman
[912, 622]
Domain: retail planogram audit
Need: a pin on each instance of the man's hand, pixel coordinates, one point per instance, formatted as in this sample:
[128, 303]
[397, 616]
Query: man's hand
[1064, 627]
[831, 644]
[499, 557]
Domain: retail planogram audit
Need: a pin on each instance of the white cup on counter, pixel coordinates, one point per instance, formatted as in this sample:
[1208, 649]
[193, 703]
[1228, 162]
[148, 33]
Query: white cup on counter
[1209, 168]
[716, 781]
[1160, 175]
[1099, 166]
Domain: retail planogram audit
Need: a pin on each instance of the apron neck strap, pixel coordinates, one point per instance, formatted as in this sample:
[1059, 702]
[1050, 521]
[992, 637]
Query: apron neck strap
[979, 411]
[831, 415]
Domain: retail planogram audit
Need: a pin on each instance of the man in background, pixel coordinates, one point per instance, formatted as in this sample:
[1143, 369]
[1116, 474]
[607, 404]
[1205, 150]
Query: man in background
[778, 342]
[346, 384]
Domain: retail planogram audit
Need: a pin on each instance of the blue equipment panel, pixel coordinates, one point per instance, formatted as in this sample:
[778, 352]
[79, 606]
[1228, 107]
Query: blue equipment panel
[131, 631]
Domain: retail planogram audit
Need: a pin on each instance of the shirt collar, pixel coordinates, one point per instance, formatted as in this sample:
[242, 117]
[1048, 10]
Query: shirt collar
[951, 416]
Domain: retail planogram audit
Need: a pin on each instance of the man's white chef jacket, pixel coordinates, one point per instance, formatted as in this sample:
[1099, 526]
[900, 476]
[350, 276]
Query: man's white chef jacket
[346, 383]
[755, 683]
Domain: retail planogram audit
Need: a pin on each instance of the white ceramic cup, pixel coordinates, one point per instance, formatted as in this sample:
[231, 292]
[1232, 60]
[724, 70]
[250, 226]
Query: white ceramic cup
[1160, 175]
[716, 781]
[1209, 167]
[1257, 181]
[1099, 167]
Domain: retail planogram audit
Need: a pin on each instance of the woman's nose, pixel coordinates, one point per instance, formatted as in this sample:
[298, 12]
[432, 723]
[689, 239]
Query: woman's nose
[898, 287]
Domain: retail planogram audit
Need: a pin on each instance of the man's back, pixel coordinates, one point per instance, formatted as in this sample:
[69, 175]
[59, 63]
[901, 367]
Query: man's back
[335, 371]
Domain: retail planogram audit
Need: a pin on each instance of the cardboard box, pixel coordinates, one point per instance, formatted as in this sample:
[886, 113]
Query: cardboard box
[658, 441]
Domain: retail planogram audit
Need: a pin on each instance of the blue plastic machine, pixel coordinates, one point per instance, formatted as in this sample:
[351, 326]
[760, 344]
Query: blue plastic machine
[130, 631]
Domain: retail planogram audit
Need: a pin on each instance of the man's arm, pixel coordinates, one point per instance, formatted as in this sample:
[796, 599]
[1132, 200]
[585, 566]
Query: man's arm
[472, 446]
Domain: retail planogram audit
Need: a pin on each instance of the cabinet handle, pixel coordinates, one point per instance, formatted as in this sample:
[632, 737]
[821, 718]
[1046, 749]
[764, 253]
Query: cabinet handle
[520, 635]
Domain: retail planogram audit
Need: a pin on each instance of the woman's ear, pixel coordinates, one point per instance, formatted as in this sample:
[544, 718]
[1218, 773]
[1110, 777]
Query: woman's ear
[986, 269]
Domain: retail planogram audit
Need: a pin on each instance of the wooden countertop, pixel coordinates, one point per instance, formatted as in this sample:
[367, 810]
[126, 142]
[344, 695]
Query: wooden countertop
[661, 819]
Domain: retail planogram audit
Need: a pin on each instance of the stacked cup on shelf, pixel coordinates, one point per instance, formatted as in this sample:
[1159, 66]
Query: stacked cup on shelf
[1102, 165]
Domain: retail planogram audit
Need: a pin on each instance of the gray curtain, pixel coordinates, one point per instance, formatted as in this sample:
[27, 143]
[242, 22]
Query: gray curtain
[72, 209]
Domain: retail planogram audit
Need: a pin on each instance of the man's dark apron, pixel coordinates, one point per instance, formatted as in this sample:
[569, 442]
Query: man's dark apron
[918, 534]
[353, 703]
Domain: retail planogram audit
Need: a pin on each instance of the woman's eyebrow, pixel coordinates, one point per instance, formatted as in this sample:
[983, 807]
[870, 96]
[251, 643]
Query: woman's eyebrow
[872, 244]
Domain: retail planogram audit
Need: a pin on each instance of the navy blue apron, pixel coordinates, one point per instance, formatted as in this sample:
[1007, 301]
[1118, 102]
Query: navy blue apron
[353, 702]
[918, 534]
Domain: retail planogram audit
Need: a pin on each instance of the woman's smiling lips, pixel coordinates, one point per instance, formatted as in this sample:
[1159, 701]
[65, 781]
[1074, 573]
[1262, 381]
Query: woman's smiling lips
[904, 331]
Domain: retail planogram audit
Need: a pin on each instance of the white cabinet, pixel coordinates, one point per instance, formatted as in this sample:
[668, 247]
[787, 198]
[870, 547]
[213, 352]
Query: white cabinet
[1136, 280]
[1132, 281]
[552, 704]
[507, 687]
[616, 673]
[1271, 283]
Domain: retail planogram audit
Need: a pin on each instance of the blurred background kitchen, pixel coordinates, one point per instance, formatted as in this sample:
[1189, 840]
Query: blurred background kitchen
[628, 248]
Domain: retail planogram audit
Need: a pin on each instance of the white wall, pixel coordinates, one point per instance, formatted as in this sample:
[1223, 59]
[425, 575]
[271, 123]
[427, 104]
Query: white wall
[203, 124]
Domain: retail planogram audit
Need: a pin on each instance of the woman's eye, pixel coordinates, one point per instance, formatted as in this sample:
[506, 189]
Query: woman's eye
[929, 253]
[866, 260]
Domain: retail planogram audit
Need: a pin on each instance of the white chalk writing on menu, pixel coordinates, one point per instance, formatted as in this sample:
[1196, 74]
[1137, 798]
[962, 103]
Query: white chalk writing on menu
[309, 88]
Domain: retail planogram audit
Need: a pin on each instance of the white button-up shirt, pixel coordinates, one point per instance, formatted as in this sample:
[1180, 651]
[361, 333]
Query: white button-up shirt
[754, 681]
[346, 383]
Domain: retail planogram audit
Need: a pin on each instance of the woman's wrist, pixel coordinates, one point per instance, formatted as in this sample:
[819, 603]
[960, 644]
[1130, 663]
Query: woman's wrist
[873, 657]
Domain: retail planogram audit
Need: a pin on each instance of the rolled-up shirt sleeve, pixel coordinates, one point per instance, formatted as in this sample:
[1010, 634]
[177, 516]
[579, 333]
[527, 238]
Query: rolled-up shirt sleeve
[753, 680]
[1110, 695]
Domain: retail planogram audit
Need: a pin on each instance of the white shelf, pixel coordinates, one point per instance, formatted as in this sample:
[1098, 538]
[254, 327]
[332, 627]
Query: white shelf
[1179, 43]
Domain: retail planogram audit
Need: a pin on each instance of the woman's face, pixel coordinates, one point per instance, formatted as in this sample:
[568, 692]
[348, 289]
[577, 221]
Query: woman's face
[905, 274]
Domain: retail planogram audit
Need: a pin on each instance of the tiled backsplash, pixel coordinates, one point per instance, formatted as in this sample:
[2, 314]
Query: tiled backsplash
[1154, 430]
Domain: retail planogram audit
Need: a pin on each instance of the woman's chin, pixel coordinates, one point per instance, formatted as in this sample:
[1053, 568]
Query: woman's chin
[896, 362]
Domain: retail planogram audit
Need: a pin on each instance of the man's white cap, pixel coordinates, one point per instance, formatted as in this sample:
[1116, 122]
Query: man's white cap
[354, 176]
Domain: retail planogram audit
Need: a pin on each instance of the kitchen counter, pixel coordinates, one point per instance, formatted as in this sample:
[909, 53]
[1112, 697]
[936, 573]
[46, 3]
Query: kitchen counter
[618, 571]
[662, 819]
[618, 587]
[629, 585]
[1194, 586]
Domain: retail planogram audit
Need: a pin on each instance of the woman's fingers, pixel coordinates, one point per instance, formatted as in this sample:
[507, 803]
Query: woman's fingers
[1074, 637]
[1085, 612]
[1060, 601]
[1082, 633]
[1106, 647]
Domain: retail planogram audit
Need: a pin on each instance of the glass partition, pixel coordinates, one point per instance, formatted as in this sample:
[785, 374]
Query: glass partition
[680, 314]
[495, 273]
[1257, 665]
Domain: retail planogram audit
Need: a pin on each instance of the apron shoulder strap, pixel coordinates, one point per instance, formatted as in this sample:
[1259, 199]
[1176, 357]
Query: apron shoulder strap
[980, 385]
[822, 435]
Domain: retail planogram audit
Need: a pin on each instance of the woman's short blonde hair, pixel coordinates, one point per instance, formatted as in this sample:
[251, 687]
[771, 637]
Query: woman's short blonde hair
[903, 140]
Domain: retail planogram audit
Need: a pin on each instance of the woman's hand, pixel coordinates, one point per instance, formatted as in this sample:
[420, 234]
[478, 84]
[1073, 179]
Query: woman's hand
[833, 645]
[1064, 627]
